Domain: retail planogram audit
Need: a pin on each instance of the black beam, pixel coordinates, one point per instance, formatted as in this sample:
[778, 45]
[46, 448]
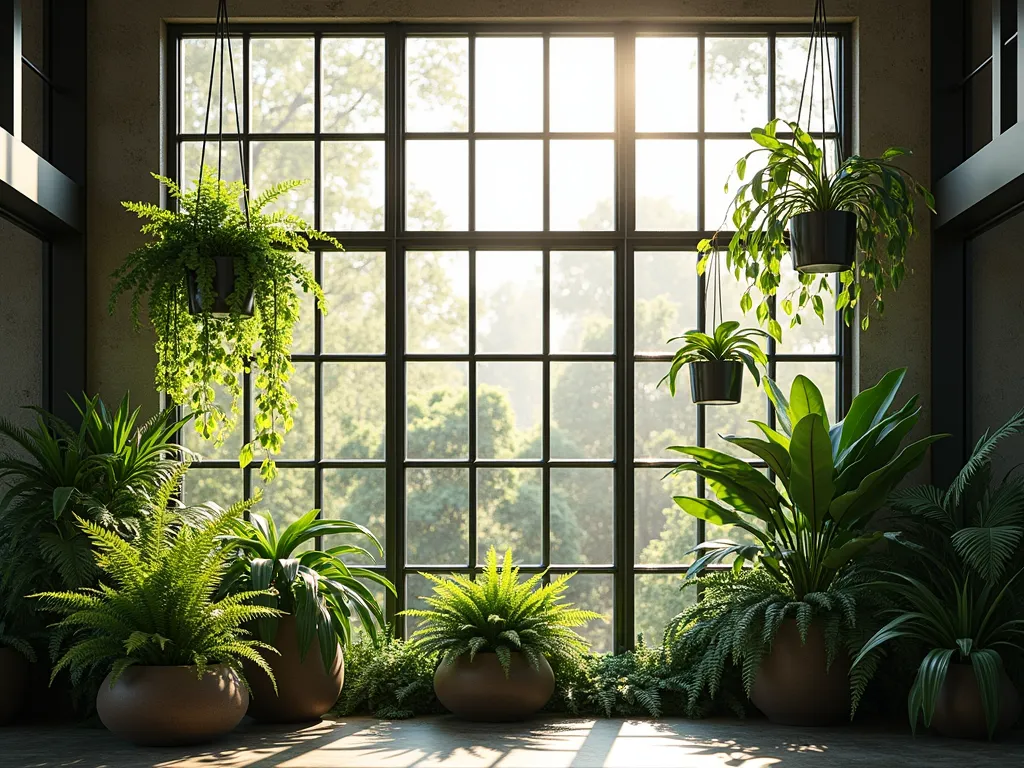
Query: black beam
[10, 73]
[67, 57]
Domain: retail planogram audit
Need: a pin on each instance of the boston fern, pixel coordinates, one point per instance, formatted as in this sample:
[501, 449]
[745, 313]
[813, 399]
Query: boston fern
[199, 354]
[795, 179]
[727, 343]
[388, 678]
[497, 613]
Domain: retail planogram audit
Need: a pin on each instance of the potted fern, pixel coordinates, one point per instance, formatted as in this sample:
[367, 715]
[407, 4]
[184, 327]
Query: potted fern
[494, 636]
[173, 654]
[15, 655]
[319, 593]
[220, 276]
[716, 363]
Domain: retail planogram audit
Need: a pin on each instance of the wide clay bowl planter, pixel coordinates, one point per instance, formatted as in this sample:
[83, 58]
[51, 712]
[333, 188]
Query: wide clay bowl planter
[306, 690]
[959, 712]
[170, 706]
[795, 686]
[716, 382]
[13, 684]
[479, 690]
[823, 241]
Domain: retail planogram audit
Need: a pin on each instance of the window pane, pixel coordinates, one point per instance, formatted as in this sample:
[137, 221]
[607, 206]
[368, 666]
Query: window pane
[594, 592]
[196, 58]
[509, 302]
[582, 410]
[582, 301]
[299, 443]
[583, 185]
[437, 301]
[221, 486]
[277, 161]
[437, 416]
[736, 91]
[437, 516]
[304, 330]
[659, 419]
[353, 185]
[509, 185]
[358, 495]
[353, 284]
[720, 157]
[666, 184]
[436, 83]
[663, 534]
[354, 410]
[582, 516]
[582, 84]
[291, 495]
[416, 589]
[509, 410]
[823, 374]
[509, 83]
[658, 600]
[509, 505]
[352, 90]
[436, 185]
[666, 84]
[192, 155]
[281, 84]
[735, 419]
[790, 68]
[665, 304]
[812, 336]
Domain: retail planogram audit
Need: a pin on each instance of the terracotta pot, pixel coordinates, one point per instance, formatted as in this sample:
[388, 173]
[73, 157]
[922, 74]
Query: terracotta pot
[13, 684]
[717, 382]
[959, 712]
[223, 286]
[793, 686]
[479, 690]
[823, 241]
[306, 690]
[169, 706]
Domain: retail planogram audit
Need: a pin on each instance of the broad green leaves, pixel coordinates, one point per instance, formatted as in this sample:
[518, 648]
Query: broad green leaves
[811, 483]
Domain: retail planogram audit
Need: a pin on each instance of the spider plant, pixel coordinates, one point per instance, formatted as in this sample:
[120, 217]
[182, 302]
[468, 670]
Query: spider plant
[727, 343]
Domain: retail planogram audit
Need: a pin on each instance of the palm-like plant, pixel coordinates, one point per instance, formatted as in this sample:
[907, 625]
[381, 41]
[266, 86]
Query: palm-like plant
[497, 613]
[317, 587]
[727, 343]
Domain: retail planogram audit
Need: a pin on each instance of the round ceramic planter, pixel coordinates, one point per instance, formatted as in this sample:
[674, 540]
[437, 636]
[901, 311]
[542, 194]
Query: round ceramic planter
[479, 689]
[306, 689]
[716, 382]
[13, 684]
[823, 241]
[223, 286]
[959, 712]
[170, 706]
[795, 685]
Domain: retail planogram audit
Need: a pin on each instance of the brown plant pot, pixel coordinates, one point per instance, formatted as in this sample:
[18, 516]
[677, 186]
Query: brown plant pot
[223, 286]
[170, 706]
[306, 690]
[794, 686]
[479, 689]
[959, 712]
[13, 684]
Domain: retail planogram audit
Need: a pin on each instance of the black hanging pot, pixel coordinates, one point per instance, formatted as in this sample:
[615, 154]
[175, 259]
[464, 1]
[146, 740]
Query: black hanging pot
[223, 286]
[716, 382]
[823, 241]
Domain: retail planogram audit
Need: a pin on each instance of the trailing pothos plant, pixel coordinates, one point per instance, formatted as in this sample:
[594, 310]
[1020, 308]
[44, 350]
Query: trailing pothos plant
[729, 342]
[202, 353]
[795, 179]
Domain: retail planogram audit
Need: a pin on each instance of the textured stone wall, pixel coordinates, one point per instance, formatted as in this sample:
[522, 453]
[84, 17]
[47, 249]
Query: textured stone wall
[21, 322]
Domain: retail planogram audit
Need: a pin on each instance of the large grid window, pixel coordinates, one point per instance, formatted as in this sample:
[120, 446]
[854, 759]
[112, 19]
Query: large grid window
[520, 209]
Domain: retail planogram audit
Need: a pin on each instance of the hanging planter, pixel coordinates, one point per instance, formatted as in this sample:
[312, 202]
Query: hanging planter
[823, 241]
[716, 363]
[225, 281]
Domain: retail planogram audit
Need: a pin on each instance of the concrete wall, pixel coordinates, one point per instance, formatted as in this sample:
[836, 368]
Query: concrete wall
[126, 133]
[21, 322]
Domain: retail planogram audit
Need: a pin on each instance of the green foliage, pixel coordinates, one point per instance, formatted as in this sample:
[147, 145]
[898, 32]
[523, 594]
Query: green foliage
[496, 613]
[154, 605]
[727, 343]
[317, 587]
[201, 353]
[19, 644]
[388, 678]
[796, 179]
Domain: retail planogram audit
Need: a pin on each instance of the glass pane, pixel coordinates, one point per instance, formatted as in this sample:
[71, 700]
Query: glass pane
[353, 185]
[582, 84]
[277, 161]
[509, 410]
[509, 302]
[222, 486]
[192, 154]
[437, 301]
[662, 533]
[436, 83]
[196, 58]
[509, 83]
[594, 592]
[228, 450]
[354, 410]
[665, 291]
[437, 414]
[812, 336]
[582, 516]
[658, 600]
[436, 185]
[790, 68]
[736, 88]
[300, 442]
[735, 419]
[509, 508]
[353, 284]
[437, 516]
[509, 185]
[666, 84]
[583, 185]
[659, 419]
[416, 588]
[291, 495]
[823, 375]
[352, 84]
[720, 157]
[666, 184]
[358, 495]
[281, 84]
[582, 301]
[304, 330]
[582, 410]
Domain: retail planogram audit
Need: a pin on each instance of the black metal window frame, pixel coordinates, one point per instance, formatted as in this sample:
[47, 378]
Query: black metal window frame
[624, 241]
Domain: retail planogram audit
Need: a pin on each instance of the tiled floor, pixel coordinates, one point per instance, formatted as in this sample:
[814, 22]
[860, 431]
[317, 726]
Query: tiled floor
[444, 742]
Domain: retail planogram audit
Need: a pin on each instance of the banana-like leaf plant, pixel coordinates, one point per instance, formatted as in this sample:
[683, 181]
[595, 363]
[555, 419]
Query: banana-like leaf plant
[728, 342]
